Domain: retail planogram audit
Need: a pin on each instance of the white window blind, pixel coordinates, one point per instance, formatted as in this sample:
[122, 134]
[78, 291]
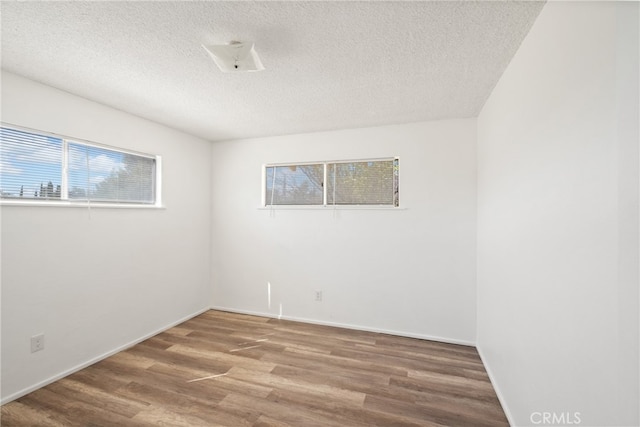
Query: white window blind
[362, 183]
[44, 167]
[99, 174]
[359, 182]
[30, 165]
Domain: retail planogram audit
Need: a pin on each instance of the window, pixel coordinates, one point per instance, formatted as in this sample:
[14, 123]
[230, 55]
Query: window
[361, 182]
[40, 167]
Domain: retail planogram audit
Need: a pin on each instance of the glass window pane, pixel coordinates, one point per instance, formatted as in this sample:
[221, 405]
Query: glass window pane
[30, 165]
[111, 176]
[362, 183]
[294, 185]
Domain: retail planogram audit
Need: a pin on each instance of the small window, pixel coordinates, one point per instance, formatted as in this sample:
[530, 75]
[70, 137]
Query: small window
[40, 167]
[353, 183]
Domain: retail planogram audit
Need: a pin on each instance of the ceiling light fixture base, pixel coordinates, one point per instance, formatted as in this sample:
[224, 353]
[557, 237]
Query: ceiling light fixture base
[235, 57]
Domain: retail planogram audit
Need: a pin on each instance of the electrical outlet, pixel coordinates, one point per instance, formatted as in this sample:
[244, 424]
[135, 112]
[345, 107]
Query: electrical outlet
[318, 295]
[37, 343]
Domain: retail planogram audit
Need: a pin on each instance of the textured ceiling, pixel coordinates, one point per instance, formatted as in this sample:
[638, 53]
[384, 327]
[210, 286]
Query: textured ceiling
[329, 65]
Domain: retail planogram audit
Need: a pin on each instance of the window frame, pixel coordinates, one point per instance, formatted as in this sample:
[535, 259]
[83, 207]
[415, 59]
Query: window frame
[325, 204]
[64, 199]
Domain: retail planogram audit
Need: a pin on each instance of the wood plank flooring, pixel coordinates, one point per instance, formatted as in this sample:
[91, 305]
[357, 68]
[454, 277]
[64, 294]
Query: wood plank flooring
[225, 369]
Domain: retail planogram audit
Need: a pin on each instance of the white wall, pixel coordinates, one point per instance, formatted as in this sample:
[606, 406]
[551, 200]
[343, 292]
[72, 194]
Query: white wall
[558, 220]
[95, 281]
[409, 271]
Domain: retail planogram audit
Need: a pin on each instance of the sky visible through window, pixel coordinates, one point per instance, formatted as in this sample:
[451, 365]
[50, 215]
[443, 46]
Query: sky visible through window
[89, 166]
[28, 162]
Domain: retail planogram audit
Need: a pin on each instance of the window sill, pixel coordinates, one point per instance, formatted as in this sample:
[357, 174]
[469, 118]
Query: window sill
[84, 205]
[332, 208]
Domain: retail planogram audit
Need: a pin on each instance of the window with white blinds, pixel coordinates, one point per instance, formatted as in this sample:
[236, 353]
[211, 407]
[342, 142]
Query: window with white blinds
[36, 167]
[350, 183]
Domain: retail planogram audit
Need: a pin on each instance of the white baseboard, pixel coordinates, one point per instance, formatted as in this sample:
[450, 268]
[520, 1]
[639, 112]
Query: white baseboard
[76, 368]
[348, 326]
[503, 402]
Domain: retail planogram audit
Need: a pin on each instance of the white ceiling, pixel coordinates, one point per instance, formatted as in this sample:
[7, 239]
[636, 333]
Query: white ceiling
[329, 65]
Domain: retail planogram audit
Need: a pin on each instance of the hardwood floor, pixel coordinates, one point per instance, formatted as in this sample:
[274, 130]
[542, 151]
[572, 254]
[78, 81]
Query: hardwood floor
[236, 370]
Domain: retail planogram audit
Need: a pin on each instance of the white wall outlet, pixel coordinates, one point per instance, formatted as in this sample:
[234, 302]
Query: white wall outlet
[37, 343]
[318, 295]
